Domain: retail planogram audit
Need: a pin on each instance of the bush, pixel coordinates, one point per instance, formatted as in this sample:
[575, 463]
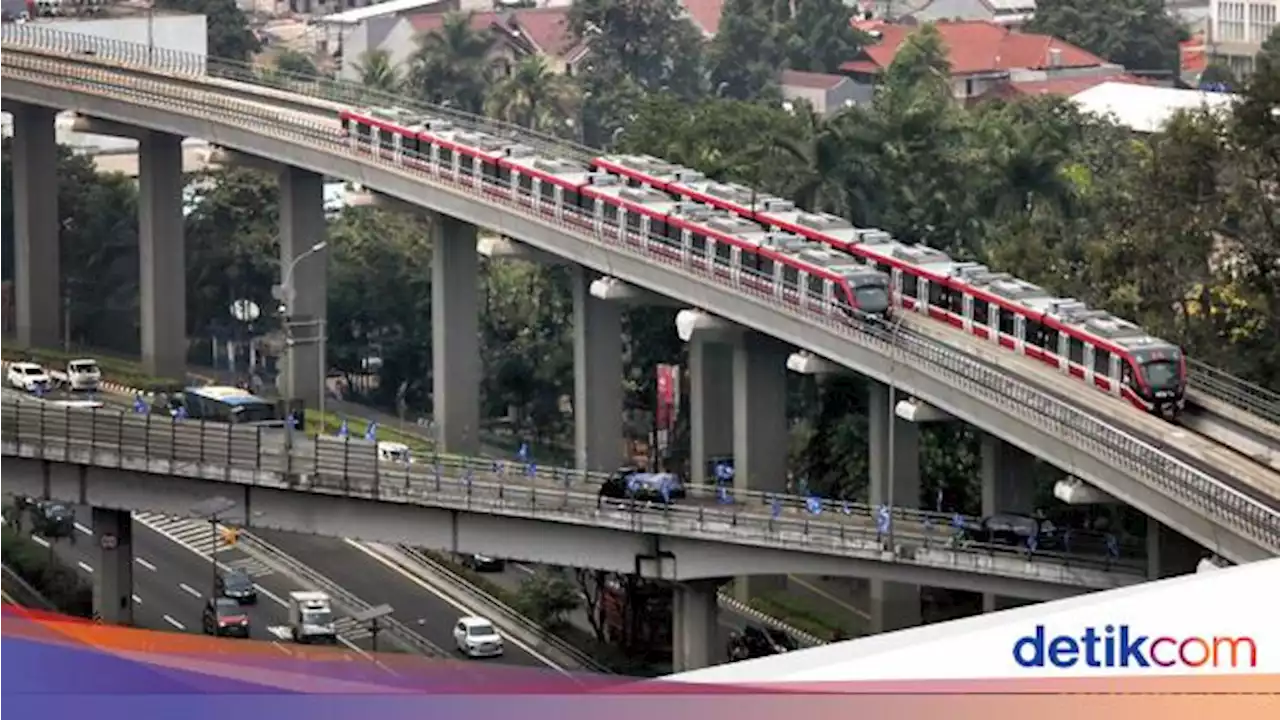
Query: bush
[43, 570]
[547, 597]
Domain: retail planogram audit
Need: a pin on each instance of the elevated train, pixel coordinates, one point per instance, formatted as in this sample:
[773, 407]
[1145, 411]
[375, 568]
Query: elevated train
[736, 229]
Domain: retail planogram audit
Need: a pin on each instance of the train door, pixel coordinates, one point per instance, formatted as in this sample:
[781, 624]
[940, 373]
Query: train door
[896, 294]
[710, 257]
[557, 197]
[535, 187]
[802, 285]
[1088, 363]
[686, 244]
[735, 264]
[1064, 347]
[1019, 333]
[477, 173]
[829, 290]
[1114, 365]
[922, 295]
[966, 311]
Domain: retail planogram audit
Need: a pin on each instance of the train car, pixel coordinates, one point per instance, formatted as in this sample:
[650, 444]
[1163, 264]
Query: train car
[1109, 353]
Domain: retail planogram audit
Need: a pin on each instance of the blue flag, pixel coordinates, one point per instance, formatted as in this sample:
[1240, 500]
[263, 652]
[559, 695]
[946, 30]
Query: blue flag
[499, 467]
[804, 486]
[813, 504]
[777, 507]
[844, 508]
[882, 519]
[139, 405]
[633, 485]
[666, 490]
[1113, 546]
[40, 391]
[724, 473]
[523, 454]
[293, 421]
[722, 495]
[343, 429]
[371, 432]
[1032, 542]
[181, 412]
[469, 475]
[957, 521]
[531, 470]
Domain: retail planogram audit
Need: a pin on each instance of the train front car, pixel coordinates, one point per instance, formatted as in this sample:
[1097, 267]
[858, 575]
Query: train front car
[859, 290]
[1153, 372]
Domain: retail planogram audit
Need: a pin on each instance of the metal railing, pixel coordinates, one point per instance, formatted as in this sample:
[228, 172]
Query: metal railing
[1095, 437]
[346, 467]
[1253, 399]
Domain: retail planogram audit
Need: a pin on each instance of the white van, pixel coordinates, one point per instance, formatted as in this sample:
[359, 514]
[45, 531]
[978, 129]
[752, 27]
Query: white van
[394, 452]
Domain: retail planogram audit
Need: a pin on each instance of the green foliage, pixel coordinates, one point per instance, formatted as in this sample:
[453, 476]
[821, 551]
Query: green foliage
[1141, 35]
[377, 73]
[296, 64]
[547, 597]
[451, 64]
[46, 573]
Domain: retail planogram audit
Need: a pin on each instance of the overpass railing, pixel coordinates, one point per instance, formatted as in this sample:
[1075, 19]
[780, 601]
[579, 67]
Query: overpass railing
[1202, 377]
[349, 467]
[1140, 460]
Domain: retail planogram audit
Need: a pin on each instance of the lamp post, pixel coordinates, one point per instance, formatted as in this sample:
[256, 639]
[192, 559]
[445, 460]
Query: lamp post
[371, 617]
[893, 421]
[213, 510]
[285, 293]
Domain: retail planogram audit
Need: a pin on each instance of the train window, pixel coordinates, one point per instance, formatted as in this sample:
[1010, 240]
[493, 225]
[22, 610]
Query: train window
[346, 125]
[526, 183]
[939, 295]
[699, 244]
[1075, 351]
[410, 145]
[761, 265]
[1006, 321]
[816, 286]
[909, 284]
[465, 163]
[1035, 333]
[1126, 373]
[980, 311]
[493, 171]
[790, 277]
[724, 252]
[1101, 361]
[446, 156]
[658, 228]
[548, 191]
[633, 220]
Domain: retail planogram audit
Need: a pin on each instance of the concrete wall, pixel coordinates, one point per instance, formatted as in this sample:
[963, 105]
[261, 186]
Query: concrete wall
[185, 33]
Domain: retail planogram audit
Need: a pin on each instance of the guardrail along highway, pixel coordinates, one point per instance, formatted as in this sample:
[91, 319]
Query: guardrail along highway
[1186, 478]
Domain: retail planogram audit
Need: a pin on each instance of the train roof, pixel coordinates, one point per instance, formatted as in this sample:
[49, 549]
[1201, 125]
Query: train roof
[656, 200]
[559, 167]
[645, 164]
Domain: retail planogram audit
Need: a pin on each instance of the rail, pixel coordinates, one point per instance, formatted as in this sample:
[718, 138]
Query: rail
[1218, 384]
[351, 468]
[1229, 507]
[397, 630]
[507, 615]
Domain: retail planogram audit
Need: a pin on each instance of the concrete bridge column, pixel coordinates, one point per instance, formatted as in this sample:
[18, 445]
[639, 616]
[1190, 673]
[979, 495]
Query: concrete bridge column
[597, 377]
[302, 227]
[455, 335]
[161, 252]
[113, 576]
[894, 606]
[1170, 553]
[1007, 486]
[694, 633]
[760, 439]
[37, 278]
[711, 405]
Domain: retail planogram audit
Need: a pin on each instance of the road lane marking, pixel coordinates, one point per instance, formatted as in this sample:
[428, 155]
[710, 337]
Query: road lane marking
[453, 603]
[144, 563]
[137, 600]
[83, 529]
[40, 541]
[205, 556]
[525, 569]
[174, 623]
[189, 590]
[85, 567]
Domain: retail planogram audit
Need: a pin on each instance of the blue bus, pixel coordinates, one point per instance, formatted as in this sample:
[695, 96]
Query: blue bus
[222, 403]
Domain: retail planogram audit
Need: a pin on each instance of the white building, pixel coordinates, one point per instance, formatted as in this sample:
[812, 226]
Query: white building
[1237, 29]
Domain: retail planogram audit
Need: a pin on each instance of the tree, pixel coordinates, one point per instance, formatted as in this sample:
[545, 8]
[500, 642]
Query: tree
[229, 35]
[533, 96]
[1141, 35]
[547, 597]
[451, 64]
[820, 38]
[744, 56]
[652, 42]
[592, 586]
[377, 73]
[296, 64]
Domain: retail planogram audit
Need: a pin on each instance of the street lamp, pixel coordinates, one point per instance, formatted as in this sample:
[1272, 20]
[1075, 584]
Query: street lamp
[893, 421]
[371, 616]
[213, 510]
[285, 293]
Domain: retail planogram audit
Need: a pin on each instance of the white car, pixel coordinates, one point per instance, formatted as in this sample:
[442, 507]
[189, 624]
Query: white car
[477, 637]
[28, 376]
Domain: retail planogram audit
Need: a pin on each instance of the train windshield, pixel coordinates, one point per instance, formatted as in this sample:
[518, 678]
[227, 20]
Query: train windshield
[1161, 373]
[871, 297]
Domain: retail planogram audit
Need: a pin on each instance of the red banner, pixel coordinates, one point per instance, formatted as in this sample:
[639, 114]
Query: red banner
[666, 397]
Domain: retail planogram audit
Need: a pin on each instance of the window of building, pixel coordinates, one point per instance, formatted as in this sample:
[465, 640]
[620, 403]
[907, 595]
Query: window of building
[1231, 25]
[1262, 18]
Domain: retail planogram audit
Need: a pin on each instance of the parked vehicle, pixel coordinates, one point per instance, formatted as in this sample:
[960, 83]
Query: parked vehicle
[754, 642]
[80, 375]
[483, 563]
[630, 483]
[1015, 529]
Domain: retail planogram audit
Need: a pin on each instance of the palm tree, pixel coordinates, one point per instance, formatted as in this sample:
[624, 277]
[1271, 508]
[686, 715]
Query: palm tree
[826, 164]
[377, 74]
[533, 96]
[451, 65]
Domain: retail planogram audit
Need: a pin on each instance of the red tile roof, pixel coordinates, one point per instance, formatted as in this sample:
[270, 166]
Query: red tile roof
[1069, 86]
[547, 29]
[976, 46]
[705, 14]
[817, 81]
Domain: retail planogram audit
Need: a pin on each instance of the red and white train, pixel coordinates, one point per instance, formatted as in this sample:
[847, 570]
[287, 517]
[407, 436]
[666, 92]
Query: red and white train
[737, 230]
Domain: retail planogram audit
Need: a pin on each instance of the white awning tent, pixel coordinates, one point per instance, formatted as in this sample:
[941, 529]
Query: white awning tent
[1147, 108]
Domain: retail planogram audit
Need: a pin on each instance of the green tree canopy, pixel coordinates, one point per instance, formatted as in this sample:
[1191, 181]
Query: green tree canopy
[229, 35]
[1141, 35]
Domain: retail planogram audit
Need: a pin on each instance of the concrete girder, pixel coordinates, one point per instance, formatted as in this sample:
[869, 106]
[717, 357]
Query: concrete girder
[1074, 491]
[497, 247]
[615, 290]
[708, 327]
[806, 363]
[233, 158]
[918, 411]
[97, 126]
[369, 198]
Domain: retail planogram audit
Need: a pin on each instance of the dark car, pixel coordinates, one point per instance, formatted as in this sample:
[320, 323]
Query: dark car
[484, 563]
[224, 617]
[236, 585]
[630, 483]
[54, 520]
[1014, 529]
[755, 642]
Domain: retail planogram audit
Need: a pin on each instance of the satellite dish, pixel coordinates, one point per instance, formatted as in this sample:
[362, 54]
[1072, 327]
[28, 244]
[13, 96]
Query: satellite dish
[246, 311]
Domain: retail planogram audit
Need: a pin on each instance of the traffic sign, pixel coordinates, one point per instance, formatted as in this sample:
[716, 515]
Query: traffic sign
[109, 541]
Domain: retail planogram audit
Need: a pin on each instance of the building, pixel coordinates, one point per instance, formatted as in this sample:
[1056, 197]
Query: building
[1007, 13]
[518, 34]
[1237, 29]
[1147, 108]
[985, 57]
[827, 94]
